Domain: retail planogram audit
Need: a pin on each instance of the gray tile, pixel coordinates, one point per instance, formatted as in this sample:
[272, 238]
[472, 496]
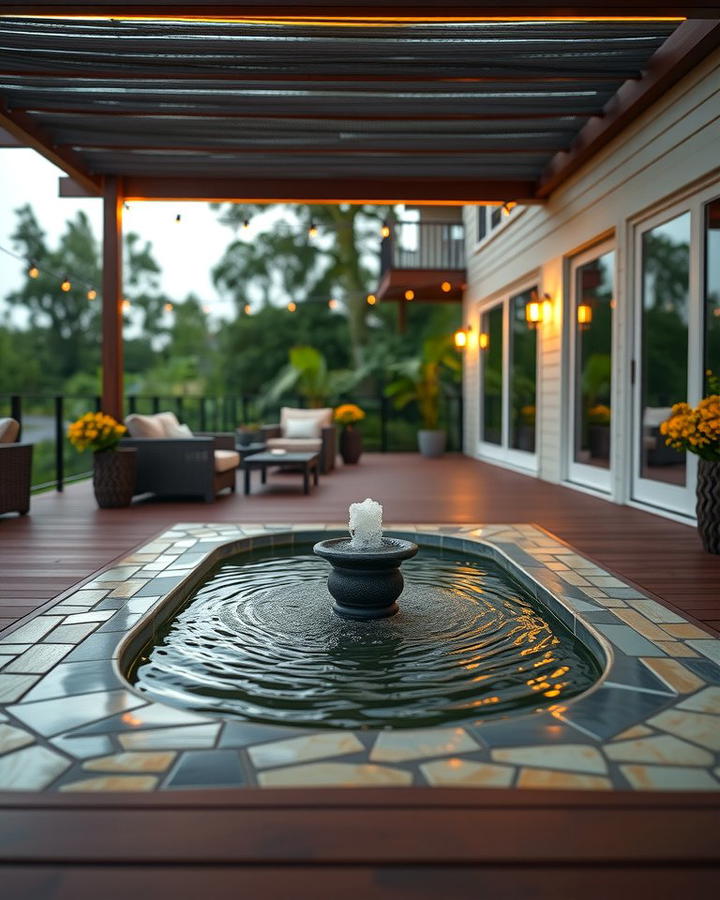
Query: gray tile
[31, 769]
[39, 658]
[152, 715]
[189, 737]
[244, 734]
[50, 717]
[96, 615]
[12, 687]
[629, 641]
[97, 646]
[70, 678]
[83, 747]
[207, 769]
[72, 634]
[32, 631]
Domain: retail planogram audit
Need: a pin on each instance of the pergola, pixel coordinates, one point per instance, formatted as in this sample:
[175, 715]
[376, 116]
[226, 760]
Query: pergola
[347, 102]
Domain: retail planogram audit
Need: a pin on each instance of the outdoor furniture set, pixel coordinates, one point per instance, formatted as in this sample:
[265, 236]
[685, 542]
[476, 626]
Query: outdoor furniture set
[15, 468]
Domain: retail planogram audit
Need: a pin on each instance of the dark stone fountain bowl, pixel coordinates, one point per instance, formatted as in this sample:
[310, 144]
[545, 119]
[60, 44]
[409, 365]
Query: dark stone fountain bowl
[365, 584]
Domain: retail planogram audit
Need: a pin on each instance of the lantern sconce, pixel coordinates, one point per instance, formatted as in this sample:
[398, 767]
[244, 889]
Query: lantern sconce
[461, 338]
[584, 316]
[537, 309]
[483, 340]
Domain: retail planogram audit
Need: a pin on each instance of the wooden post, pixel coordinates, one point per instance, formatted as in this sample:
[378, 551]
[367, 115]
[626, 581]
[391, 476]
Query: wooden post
[112, 338]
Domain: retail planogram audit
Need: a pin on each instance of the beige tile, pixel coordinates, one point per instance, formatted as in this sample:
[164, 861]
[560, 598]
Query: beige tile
[662, 748]
[456, 772]
[40, 658]
[669, 778]
[642, 625]
[30, 769]
[574, 578]
[128, 588]
[186, 737]
[556, 566]
[608, 602]
[395, 746]
[573, 757]
[654, 611]
[333, 774]
[696, 727]
[686, 630]
[607, 581]
[675, 648]
[549, 778]
[86, 598]
[635, 732]
[12, 687]
[705, 701]
[138, 558]
[112, 783]
[132, 762]
[304, 749]
[119, 573]
[598, 594]
[12, 738]
[674, 674]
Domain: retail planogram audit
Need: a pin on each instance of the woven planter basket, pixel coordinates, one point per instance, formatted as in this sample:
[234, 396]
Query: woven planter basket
[708, 504]
[114, 477]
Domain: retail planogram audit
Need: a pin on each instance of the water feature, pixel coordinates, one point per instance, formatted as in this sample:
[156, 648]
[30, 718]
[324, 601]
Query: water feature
[261, 640]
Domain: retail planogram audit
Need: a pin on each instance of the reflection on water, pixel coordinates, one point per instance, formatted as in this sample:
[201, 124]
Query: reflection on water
[259, 641]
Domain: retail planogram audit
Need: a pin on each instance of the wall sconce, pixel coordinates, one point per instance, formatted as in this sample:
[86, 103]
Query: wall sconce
[536, 311]
[483, 340]
[461, 338]
[584, 316]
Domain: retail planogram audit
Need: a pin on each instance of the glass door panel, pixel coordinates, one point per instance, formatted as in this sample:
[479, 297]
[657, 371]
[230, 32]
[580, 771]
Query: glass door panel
[523, 373]
[712, 287]
[492, 376]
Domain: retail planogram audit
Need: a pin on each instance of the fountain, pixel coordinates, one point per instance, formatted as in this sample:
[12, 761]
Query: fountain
[365, 580]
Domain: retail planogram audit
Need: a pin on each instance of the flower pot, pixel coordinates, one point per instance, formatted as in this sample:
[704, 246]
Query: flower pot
[599, 441]
[114, 477]
[431, 443]
[350, 444]
[708, 504]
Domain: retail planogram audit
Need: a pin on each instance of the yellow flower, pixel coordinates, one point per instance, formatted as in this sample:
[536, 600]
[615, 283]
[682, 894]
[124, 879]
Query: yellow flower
[348, 413]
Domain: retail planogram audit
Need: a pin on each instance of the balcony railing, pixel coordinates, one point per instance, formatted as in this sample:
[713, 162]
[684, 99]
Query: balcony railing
[44, 422]
[424, 245]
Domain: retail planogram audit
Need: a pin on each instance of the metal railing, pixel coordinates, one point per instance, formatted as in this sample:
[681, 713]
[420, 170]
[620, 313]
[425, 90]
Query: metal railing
[44, 421]
[423, 245]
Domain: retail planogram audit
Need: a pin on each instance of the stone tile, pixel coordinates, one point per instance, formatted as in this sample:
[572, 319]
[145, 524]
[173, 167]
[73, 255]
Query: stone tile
[32, 631]
[706, 701]
[6, 658]
[642, 625]
[697, 727]
[395, 746]
[674, 674]
[655, 611]
[550, 778]
[302, 749]
[685, 630]
[606, 581]
[31, 769]
[122, 621]
[119, 573]
[705, 669]
[208, 769]
[675, 648]
[49, 717]
[12, 738]
[455, 772]
[160, 586]
[636, 731]
[142, 761]
[67, 679]
[112, 783]
[97, 615]
[710, 648]
[569, 757]
[609, 710]
[243, 734]
[333, 774]
[89, 598]
[39, 658]
[661, 748]
[152, 715]
[72, 634]
[83, 747]
[669, 778]
[128, 588]
[97, 646]
[185, 737]
[629, 641]
[574, 578]
[12, 687]
[608, 602]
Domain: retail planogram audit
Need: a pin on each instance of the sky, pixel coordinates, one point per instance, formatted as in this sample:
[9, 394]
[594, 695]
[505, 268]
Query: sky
[186, 252]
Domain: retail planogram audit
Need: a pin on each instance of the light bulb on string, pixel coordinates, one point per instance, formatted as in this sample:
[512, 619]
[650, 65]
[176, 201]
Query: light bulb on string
[66, 284]
[91, 294]
[292, 306]
[312, 230]
[333, 304]
[446, 287]
[248, 309]
[168, 307]
[371, 299]
[385, 230]
[246, 224]
[409, 295]
[125, 305]
[33, 270]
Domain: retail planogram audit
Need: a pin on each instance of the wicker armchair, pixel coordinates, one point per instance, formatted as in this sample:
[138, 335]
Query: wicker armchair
[325, 444]
[15, 468]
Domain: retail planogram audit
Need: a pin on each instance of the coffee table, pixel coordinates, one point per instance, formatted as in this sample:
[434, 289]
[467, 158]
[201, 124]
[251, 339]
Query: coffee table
[305, 462]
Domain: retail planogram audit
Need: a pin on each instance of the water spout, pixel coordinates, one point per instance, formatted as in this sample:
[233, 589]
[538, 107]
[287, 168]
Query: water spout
[366, 525]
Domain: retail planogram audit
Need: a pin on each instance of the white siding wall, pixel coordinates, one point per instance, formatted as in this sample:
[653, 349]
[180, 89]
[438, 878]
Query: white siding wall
[675, 144]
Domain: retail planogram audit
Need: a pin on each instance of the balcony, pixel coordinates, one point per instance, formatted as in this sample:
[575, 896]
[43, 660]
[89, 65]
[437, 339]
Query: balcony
[422, 262]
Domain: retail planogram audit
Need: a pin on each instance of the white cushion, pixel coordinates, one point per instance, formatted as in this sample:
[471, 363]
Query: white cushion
[9, 430]
[654, 415]
[183, 431]
[319, 417]
[226, 459]
[300, 428]
[144, 426]
[168, 422]
[295, 445]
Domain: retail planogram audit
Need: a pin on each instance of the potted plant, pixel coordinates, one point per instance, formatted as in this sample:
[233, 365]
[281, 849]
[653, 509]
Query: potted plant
[420, 381]
[249, 433]
[348, 415]
[113, 466]
[697, 430]
[598, 418]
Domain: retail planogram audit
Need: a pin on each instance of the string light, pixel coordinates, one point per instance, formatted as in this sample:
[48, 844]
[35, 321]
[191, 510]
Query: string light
[291, 306]
[66, 285]
[446, 287]
[333, 304]
[168, 307]
[371, 299]
[385, 230]
[125, 305]
[312, 230]
[91, 294]
[246, 224]
[33, 270]
[409, 295]
[248, 309]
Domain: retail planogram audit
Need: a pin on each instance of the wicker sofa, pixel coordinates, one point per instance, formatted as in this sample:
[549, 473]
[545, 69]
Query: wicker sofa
[15, 469]
[174, 462]
[304, 431]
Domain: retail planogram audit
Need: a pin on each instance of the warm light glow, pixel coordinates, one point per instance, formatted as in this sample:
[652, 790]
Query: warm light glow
[125, 305]
[584, 315]
[248, 309]
[533, 313]
[91, 294]
[312, 230]
[484, 340]
[409, 295]
[246, 224]
[333, 304]
[385, 230]
[446, 287]
[33, 271]
[461, 338]
[291, 306]
[508, 207]
[168, 307]
[65, 286]
[371, 299]
[206, 309]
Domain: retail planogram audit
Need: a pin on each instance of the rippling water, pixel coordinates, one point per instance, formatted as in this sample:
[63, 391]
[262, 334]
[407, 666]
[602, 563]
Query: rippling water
[259, 641]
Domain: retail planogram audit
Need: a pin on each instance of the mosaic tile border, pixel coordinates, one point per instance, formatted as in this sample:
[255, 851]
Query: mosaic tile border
[70, 723]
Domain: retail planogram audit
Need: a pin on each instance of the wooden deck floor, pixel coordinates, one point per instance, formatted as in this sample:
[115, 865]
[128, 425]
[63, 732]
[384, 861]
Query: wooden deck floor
[66, 538]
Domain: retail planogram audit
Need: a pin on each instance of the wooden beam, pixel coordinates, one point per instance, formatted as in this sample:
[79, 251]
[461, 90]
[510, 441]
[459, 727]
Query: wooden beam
[682, 51]
[9, 140]
[248, 150]
[22, 127]
[435, 192]
[112, 318]
[68, 187]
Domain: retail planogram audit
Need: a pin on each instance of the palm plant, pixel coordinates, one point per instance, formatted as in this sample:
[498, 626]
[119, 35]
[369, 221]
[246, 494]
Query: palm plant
[419, 379]
[307, 374]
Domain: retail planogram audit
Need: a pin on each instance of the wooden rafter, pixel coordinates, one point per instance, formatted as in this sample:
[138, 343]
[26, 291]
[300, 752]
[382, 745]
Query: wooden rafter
[684, 49]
